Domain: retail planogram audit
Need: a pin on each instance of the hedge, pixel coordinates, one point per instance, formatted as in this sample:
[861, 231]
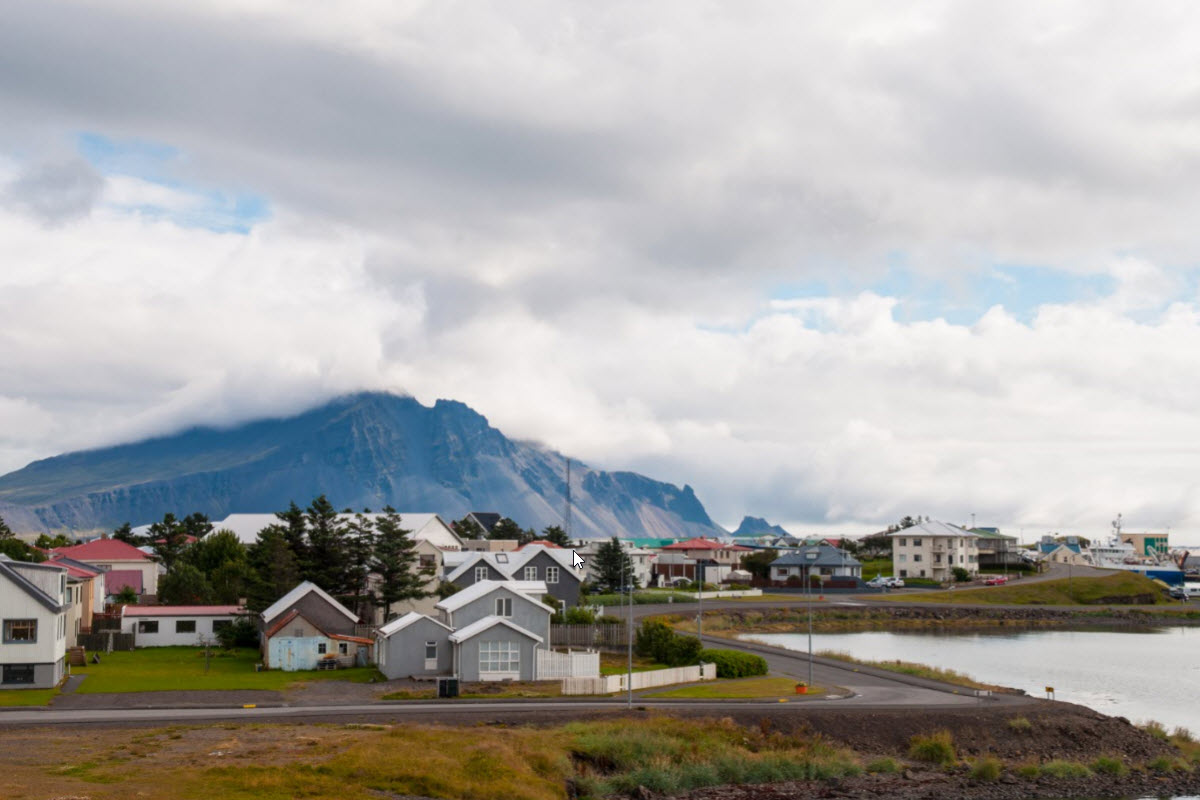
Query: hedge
[735, 663]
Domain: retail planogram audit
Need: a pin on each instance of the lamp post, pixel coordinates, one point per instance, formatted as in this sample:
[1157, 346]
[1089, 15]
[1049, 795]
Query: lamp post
[808, 589]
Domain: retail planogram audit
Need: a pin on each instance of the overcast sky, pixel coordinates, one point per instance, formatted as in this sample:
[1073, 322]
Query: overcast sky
[829, 263]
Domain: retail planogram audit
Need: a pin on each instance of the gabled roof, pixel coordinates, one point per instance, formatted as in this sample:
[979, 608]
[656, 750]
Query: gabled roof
[931, 527]
[247, 526]
[487, 623]
[12, 570]
[400, 623]
[473, 560]
[180, 611]
[117, 579]
[482, 589]
[486, 519]
[103, 550]
[291, 598]
[821, 555]
[75, 569]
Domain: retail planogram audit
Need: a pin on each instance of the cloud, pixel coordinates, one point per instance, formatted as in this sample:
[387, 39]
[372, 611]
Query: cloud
[830, 265]
[56, 193]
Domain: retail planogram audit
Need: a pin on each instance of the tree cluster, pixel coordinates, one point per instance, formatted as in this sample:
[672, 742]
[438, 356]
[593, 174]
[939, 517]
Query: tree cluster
[507, 528]
[14, 548]
[613, 567]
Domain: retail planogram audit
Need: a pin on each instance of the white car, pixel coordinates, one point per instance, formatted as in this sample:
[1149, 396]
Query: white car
[879, 582]
[896, 583]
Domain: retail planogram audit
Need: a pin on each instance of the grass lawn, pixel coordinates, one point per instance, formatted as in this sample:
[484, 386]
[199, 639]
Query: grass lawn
[160, 669]
[27, 697]
[1120, 588]
[914, 669]
[618, 663]
[740, 688]
[874, 567]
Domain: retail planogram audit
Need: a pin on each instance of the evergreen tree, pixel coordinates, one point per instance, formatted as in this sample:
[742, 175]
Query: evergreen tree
[125, 534]
[360, 544]
[168, 539]
[295, 531]
[394, 564]
[467, 528]
[329, 557]
[214, 551]
[47, 542]
[196, 525]
[610, 561]
[555, 534]
[758, 563]
[273, 567]
[506, 529]
[5, 531]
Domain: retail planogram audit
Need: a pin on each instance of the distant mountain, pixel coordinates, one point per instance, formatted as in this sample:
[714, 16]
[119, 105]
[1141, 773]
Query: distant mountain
[364, 450]
[756, 526]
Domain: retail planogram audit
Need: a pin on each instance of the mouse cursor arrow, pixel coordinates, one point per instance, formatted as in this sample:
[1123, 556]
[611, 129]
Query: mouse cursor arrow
[576, 560]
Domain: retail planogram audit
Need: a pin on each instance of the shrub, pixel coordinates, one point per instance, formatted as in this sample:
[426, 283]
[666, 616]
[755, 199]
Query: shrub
[608, 619]
[682, 651]
[1161, 764]
[937, 748]
[1065, 769]
[1156, 730]
[242, 633]
[1020, 725]
[986, 769]
[1108, 765]
[884, 766]
[579, 616]
[652, 639]
[1030, 771]
[961, 575]
[1182, 734]
[735, 663]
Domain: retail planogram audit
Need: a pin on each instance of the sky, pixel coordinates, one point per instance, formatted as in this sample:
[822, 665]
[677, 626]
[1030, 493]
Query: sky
[829, 263]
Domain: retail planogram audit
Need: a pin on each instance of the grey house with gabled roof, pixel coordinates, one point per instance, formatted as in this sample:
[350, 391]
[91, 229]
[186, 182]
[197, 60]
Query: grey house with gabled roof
[809, 561]
[534, 562]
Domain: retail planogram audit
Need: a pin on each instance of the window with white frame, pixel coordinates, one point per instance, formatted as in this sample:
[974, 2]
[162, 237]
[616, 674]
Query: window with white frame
[531, 573]
[20, 631]
[480, 573]
[551, 574]
[503, 606]
[431, 651]
[499, 657]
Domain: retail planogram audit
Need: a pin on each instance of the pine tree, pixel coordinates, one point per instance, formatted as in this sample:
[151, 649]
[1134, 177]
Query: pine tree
[329, 556]
[394, 564]
[168, 539]
[555, 534]
[295, 531]
[610, 560]
[467, 528]
[506, 529]
[360, 544]
[273, 566]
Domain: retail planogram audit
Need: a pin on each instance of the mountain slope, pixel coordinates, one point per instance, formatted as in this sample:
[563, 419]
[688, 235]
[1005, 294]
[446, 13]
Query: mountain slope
[756, 526]
[365, 450]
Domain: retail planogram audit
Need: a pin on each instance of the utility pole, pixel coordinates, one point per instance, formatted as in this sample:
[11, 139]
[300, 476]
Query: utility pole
[629, 635]
[700, 601]
[808, 591]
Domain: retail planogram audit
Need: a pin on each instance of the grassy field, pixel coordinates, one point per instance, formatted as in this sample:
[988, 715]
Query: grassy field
[27, 697]
[355, 762]
[742, 688]
[618, 663]
[911, 668]
[159, 669]
[1120, 588]
[874, 567]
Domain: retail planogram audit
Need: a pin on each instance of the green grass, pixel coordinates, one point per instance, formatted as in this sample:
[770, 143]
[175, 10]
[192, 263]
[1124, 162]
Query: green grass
[1065, 769]
[986, 769]
[911, 668]
[1120, 588]
[936, 748]
[874, 567]
[884, 766]
[742, 688]
[27, 697]
[161, 669]
[618, 663]
[649, 597]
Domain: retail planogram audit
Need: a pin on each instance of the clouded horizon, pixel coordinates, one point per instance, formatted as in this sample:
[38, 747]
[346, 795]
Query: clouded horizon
[830, 264]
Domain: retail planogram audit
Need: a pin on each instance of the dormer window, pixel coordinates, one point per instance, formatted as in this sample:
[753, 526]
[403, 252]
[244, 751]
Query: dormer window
[501, 558]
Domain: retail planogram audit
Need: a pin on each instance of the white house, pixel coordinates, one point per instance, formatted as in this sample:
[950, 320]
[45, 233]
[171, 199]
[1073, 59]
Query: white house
[113, 555]
[932, 549]
[33, 624]
[164, 626]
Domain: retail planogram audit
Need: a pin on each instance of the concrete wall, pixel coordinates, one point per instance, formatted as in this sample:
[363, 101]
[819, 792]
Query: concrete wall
[402, 654]
[468, 655]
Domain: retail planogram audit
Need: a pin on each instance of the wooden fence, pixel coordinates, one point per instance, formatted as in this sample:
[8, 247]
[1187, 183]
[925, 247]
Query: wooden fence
[609, 684]
[588, 635]
[552, 665]
[106, 641]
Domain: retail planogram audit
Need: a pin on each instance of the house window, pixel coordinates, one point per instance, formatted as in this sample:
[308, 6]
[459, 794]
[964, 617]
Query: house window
[431, 651]
[343, 648]
[20, 631]
[503, 606]
[551, 574]
[480, 574]
[903, 573]
[18, 673]
[922, 573]
[185, 626]
[916, 557]
[428, 562]
[221, 624]
[298, 633]
[499, 657]
[321, 649]
[501, 558]
[904, 542]
[531, 573]
[147, 626]
[902, 558]
[916, 542]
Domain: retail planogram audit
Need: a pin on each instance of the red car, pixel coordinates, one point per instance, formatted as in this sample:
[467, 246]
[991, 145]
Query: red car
[996, 580]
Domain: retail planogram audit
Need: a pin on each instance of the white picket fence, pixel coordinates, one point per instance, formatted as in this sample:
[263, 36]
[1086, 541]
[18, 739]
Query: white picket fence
[609, 684]
[583, 664]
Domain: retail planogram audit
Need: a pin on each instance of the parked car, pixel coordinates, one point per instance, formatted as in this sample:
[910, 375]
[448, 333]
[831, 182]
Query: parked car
[896, 583]
[1178, 593]
[995, 580]
[879, 582]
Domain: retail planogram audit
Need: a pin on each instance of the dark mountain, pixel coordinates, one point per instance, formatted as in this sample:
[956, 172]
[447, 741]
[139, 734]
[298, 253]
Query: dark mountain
[755, 526]
[365, 450]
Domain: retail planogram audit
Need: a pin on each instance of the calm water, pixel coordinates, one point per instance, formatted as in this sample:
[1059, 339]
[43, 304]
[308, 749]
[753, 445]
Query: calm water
[1141, 675]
